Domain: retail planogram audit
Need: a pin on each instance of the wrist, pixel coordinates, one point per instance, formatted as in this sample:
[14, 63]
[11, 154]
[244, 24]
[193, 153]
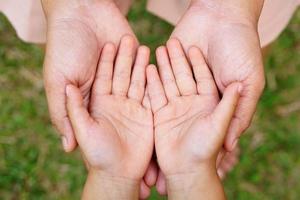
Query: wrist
[182, 181]
[240, 11]
[104, 185]
[192, 185]
[65, 6]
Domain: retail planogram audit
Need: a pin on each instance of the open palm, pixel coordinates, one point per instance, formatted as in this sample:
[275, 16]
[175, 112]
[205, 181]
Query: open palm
[116, 135]
[75, 37]
[190, 123]
[231, 47]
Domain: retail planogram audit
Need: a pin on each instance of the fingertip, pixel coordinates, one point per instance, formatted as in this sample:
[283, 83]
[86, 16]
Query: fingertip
[69, 145]
[144, 50]
[150, 180]
[151, 174]
[232, 136]
[68, 139]
[143, 56]
[161, 185]
[173, 42]
[151, 70]
[174, 48]
[234, 89]
[160, 50]
[240, 88]
[162, 56]
[69, 90]
[109, 46]
[109, 49]
[128, 40]
[194, 52]
[144, 191]
[152, 67]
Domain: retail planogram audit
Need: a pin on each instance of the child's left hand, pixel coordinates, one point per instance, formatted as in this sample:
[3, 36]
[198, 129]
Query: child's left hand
[116, 134]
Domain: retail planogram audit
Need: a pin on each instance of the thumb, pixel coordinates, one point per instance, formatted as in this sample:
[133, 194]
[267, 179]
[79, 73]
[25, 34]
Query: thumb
[78, 113]
[226, 108]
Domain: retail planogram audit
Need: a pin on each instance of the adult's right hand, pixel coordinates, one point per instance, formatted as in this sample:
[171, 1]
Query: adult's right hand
[77, 31]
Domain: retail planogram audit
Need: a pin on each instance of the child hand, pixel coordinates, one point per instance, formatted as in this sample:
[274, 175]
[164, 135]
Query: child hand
[116, 134]
[190, 122]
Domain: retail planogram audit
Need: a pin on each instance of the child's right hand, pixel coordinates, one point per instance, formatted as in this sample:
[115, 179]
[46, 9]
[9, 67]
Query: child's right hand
[116, 134]
[190, 122]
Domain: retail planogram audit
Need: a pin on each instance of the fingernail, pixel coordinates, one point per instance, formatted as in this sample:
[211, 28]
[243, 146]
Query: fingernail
[234, 144]
[64, 142]
[68, 90]
[240, 88]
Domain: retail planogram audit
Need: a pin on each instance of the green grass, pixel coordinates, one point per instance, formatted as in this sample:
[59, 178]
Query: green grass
[33, 165]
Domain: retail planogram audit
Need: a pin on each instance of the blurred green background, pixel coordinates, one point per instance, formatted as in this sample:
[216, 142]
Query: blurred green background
[33, 165]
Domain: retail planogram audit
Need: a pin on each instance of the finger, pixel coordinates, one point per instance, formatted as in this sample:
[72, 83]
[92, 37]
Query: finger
[85, 161]
[181, 68]
[226, 108]
[77, 112]
[205, 81]
[146, 101]
[123, 65]
[144, 191]
[151, 174]
[155, 89]
[56, 97]
[243, 115]
[166, 73]
[221, 173]
[220, 157]
[103, 80]
[161, 185]
[138, 79]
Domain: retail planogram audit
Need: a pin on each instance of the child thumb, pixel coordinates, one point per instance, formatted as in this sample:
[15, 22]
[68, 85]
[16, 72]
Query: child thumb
[226, 108]
[77, 112]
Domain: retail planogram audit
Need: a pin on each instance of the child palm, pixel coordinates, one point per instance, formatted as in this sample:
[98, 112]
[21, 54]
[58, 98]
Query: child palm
[190, 123]
[116, 134]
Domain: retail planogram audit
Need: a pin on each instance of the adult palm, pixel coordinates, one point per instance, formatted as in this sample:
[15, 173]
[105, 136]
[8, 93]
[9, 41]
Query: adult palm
[231, 47]
[75, 37]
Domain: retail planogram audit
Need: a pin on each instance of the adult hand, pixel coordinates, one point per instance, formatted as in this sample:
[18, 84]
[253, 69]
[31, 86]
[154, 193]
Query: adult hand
[189, 122]
[226, 33]
[77, 31]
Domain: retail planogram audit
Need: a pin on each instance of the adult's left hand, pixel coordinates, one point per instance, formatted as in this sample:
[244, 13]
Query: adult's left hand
[226, 33]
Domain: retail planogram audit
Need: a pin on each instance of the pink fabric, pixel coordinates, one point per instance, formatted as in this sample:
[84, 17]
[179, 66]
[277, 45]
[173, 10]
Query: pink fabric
[274, 18]
[27, 17]
[29, 21]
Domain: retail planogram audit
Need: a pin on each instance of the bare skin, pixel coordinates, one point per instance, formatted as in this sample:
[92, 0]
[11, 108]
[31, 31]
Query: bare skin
[79, 24]
[115, 134]
[75, 38]
[226, 33]
[190, 123]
